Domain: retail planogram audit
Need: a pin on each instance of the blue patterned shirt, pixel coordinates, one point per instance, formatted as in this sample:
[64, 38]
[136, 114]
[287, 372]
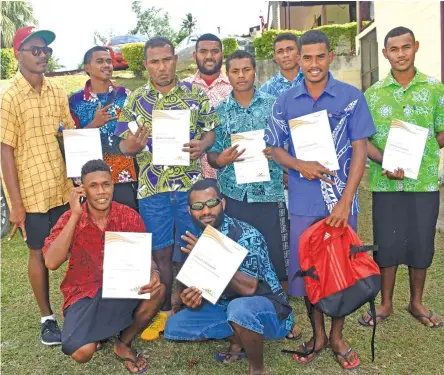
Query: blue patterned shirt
[256, 264]
[350, 120]
[278, 84]
[235, 118]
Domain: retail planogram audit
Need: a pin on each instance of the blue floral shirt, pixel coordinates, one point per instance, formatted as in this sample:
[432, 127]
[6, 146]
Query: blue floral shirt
[256, 264]
[278, 84]
[237, 119]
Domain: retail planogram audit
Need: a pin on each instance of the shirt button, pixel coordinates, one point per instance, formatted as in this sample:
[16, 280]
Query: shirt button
[46, 132]
[315, 105]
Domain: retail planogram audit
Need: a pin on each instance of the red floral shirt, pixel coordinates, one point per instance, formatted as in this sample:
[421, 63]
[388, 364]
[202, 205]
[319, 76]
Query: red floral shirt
[84, 273]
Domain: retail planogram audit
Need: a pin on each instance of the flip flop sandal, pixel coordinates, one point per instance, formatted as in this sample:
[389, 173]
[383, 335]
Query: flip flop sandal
[362, 322]
[297, 337]
[305, 350]
[134, 361]
[428, 316]
[345, 356]
[223, 356]
[100, 345]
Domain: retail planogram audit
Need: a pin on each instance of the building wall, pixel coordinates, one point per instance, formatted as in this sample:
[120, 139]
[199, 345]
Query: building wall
[301, 17]
[338, 14]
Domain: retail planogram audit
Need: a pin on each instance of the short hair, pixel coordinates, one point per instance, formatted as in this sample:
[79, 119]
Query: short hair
[157, 41]
[89, 54]
[204, 185]
[286, 36]
[94, 166]
[239, 54]
[209, 37]
[398, 31]
[314, 37]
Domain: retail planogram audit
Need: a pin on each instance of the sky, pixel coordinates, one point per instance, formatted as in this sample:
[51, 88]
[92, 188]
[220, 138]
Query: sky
[75, 22]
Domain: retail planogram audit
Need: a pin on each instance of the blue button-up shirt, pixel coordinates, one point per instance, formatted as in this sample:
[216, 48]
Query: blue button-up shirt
[278, 84]
[350, 120]
[237, 119]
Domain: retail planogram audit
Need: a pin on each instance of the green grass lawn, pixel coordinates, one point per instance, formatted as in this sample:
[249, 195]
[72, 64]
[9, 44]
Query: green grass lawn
[403, 346]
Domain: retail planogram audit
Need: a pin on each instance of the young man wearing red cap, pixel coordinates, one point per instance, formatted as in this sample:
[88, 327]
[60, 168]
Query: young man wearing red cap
[33, 109]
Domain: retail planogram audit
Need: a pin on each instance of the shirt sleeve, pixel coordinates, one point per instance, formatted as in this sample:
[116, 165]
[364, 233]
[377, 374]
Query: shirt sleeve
[360, 124]
[68, 121]
[56, 230]
[9, 127]
[439, 111]
[277, 132]
[207, 118]
[73, 112]
[218, 135]
[125, 116]
[255, 243]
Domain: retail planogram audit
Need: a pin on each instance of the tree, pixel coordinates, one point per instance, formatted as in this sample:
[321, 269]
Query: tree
[54, 65]
[152, 22]
[102, 39]
[181, 35]
[189, 23]
[15, 14]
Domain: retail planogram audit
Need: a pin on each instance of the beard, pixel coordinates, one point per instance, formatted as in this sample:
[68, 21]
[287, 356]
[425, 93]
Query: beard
[209, 72]
[218, 220]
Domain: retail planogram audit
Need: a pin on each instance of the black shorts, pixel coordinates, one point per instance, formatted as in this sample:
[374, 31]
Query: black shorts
[38, 225]
[404, 227]
[126, 194]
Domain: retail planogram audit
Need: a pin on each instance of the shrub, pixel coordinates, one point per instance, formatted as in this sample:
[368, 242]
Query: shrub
[133, 54]
[8, 63]
[230, 46]
[336, 33]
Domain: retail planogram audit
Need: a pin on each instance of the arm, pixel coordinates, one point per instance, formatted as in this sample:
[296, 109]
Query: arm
[374, 153]
[440, 139]
[243, 284]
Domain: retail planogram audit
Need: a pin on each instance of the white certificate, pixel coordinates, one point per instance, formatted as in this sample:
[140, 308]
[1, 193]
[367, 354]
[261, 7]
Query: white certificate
[171, 130]
[81, 146]
[254, 167]
[404, 148]
[212, 264]
[126, 264]
[313, 141]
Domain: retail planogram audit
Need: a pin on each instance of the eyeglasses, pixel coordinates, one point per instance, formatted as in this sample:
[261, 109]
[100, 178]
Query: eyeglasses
[211, 203]
[37, 51]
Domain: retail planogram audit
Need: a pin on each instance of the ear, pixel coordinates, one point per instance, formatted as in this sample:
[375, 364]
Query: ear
[175, 58]
[298, 59]
[194, 55]
[331, 56]
[145, 64]
[416, 46]
[384, 52]
[86, 68]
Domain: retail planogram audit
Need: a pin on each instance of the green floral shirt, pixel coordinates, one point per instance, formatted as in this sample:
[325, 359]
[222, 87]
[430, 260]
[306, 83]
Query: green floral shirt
[422, 104]
[155, 179]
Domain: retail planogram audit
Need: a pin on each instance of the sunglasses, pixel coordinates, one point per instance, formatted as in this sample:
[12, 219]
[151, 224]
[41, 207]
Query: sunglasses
[211, 203]
[37, 51]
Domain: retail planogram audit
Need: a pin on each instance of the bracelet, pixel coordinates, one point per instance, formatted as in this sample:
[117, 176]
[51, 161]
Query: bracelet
[156, 271]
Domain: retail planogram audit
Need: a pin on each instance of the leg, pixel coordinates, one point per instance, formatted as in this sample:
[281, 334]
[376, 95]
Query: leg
[253, 343]
[85, 353]
[38, 276]
[347, 358]
[416, 308]
[163, 259]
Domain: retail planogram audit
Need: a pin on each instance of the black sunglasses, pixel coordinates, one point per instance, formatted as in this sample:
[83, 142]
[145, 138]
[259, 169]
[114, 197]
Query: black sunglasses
[37, 51]
[211, 203]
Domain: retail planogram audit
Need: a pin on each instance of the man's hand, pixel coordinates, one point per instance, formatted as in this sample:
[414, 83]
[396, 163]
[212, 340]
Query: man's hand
[339, 215]
[267, 153]
[191, 240]
[17, 217]
[229, 155]
[74, 201]
[102, 116]
[154, 285]
[398, 174]
[313, 170]
[135, 143]
[191, 297]
[285, 178]
[195, 148]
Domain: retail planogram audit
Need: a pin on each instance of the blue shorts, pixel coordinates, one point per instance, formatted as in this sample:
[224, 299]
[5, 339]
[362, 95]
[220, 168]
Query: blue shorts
[164, 214]
[255, 313]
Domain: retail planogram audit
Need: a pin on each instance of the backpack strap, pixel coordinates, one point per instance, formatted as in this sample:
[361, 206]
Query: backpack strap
[310, 273]
[362, 249]
[373, 311]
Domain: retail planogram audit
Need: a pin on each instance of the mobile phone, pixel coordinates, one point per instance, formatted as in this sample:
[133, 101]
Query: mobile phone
[82, 200]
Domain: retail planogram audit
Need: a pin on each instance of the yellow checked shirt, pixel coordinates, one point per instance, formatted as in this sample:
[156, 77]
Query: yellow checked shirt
[29, 124]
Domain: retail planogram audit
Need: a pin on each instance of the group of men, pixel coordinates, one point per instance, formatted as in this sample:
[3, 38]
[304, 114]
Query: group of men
[126, 192]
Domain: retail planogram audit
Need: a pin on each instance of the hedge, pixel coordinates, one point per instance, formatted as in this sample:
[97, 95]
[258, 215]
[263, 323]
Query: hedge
[264, 44]
[230, 46]
[133, 54]
[8, 63]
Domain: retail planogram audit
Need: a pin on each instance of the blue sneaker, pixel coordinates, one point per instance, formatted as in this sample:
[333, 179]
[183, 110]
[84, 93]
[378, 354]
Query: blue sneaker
[50, 333]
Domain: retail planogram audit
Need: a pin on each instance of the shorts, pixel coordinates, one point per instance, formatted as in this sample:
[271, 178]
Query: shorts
[166, 216]
[39, 225]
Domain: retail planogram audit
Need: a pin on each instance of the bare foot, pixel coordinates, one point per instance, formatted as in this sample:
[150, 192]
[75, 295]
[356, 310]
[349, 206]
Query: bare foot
[295, 334]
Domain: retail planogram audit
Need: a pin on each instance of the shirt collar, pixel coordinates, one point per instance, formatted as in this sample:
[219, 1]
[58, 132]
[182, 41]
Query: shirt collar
[390, 80]
[232, 102]
[301, 89]
[88, 94]
[151, 89]
[26, 87]
[196, 78]
[298, 77]
[86, 219]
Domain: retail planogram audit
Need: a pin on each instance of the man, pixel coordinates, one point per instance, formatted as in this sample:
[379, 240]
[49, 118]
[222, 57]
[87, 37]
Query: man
[162, 189]
[405, 211]
[286, 52]
[78, 237]
[98, 105]
[252, 309]
[33, 109]
[209, 76]
[314, 191]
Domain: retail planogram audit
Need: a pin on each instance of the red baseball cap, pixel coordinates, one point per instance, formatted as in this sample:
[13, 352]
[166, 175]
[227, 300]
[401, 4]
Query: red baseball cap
[25, 33]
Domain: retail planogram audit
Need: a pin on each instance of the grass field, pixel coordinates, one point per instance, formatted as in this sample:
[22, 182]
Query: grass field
[403, 346]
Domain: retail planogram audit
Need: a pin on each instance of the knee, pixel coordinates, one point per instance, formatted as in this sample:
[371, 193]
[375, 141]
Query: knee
[85, 353]
[238, 310]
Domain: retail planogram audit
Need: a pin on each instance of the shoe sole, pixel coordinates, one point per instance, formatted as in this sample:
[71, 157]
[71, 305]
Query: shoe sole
[50, 343]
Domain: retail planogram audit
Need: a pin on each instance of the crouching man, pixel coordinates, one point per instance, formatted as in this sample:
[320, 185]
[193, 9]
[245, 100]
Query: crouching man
[252, 309]
[78, 238]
